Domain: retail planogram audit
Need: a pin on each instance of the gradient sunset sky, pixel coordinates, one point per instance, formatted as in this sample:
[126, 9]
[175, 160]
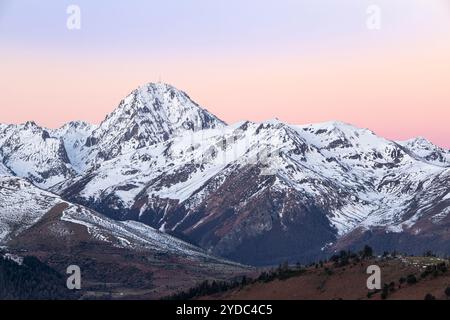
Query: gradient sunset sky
[297, 60]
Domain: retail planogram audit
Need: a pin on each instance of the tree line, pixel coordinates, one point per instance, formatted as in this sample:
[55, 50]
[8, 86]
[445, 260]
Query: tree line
[31, 280]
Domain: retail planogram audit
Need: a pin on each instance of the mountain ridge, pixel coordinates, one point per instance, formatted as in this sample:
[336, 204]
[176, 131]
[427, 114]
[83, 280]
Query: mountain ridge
[293, 190]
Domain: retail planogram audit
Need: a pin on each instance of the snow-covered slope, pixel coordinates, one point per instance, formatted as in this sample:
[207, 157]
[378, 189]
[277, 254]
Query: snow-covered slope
[355, 161]
[4, 171]
[427, 151]
[22, 205]
[32, 152]
[116, 257]
[74, 135]
[343, 177]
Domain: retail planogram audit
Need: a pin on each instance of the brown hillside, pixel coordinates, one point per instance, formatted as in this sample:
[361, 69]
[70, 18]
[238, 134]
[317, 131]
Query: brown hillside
[349, 282]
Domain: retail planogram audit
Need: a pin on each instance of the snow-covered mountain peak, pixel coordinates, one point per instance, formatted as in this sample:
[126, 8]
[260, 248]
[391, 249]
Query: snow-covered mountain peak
[334, 135]
[273, 121]
[79, 125]
[30, 125]
[33, 152]
[151, 114]
[428, 151]
[74, 131]
[419, 142]
[74, 135]
[338, 128]
[163, 102]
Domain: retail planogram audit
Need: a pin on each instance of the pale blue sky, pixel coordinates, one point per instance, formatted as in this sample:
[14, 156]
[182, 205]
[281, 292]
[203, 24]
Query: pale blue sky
[197, 25]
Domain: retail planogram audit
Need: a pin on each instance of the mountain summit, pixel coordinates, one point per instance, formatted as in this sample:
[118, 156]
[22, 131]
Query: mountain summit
[152, 113]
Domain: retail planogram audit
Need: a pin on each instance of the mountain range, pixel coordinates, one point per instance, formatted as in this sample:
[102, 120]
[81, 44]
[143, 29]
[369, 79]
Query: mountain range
[161, 173]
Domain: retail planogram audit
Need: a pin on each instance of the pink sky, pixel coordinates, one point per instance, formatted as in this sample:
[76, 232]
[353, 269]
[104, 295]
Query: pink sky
[299, 61]
[398, 93]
